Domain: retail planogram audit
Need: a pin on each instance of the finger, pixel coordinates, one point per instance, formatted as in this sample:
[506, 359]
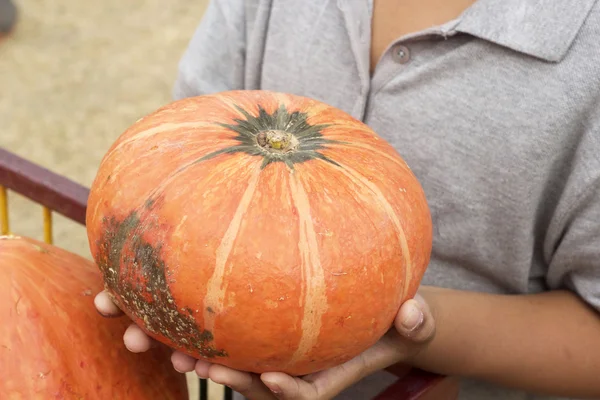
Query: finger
[182, 362]
[136, 340]
[285, 387]
[249, 385]
[415, 321]
[322, 385]
[201, 368]
[105, 306]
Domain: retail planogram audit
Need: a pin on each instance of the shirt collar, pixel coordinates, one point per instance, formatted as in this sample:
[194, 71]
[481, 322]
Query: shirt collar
[540, 28]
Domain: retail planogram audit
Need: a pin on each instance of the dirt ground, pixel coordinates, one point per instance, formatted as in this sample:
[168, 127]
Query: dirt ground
[73, 75]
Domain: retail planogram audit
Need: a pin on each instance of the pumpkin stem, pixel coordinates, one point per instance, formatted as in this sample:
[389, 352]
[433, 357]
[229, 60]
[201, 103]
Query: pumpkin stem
[277, 141]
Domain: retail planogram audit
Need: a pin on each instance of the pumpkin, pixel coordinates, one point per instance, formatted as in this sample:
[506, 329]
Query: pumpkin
[54, 344]
[259, 230]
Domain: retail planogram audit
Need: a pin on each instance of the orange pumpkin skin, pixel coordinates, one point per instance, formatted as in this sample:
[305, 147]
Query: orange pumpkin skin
[259, 230]
[54, 344]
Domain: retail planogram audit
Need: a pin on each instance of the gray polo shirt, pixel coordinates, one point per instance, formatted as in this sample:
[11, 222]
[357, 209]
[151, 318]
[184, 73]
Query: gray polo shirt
[496, 112]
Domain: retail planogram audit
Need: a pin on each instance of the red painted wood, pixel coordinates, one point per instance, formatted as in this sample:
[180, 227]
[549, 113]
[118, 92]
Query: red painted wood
[43, 186]
[421, 385]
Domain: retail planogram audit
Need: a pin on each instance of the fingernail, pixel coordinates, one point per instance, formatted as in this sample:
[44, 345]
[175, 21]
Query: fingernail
[413, 319]
[107, 315]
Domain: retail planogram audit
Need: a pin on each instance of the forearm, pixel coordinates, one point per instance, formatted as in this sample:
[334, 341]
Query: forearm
[543, 343]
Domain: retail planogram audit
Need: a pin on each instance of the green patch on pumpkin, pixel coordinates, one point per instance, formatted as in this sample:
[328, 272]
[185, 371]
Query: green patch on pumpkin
[281, 136]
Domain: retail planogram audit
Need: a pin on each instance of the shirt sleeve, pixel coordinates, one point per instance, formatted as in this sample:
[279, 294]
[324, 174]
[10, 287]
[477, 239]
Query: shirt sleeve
[215, 57]
[572, 245]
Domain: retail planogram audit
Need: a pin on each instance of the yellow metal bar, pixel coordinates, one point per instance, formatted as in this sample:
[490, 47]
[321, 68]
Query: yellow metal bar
[47, 225]
[4, 227]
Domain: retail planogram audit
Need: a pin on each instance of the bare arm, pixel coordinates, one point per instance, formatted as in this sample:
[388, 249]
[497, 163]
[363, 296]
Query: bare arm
[545, 343]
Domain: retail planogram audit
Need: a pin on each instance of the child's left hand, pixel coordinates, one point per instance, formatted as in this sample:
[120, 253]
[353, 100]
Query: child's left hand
[414, 328]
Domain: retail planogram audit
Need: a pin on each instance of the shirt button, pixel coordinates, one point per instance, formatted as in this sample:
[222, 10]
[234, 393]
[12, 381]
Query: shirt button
[401, 54]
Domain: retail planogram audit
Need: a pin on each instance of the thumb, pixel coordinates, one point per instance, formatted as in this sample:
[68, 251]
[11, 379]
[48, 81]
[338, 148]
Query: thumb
[415, 321]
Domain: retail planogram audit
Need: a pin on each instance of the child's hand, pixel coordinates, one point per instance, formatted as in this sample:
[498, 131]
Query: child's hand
[414, 328]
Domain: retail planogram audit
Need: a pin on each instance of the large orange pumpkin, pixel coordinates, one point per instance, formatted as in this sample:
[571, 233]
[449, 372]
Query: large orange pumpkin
[54, 344]
[260, 230]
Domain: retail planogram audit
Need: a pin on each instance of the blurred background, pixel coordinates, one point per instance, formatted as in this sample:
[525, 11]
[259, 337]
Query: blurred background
[73, 76]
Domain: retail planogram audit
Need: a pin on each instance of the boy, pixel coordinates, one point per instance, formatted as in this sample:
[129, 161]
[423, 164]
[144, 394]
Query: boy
[495, 105]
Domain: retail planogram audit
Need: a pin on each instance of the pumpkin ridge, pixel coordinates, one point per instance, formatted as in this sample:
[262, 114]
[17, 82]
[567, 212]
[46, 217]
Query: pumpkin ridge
[154, 193]
[215, 293]
[156, 130]
[313, 283]
[384, 203]
[396, 160]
